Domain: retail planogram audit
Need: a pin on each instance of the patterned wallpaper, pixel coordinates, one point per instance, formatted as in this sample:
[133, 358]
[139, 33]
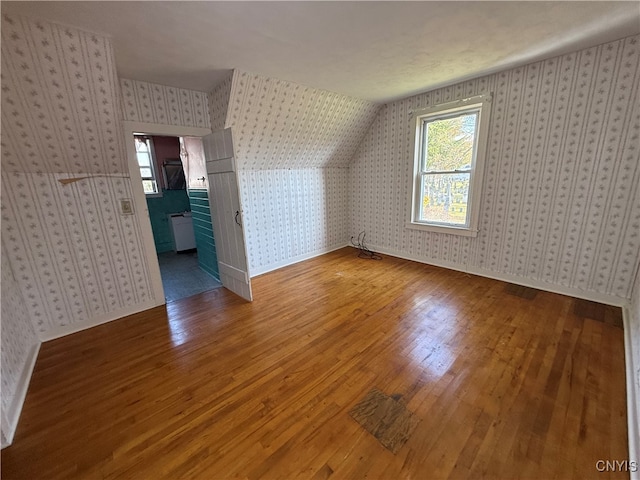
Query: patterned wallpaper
[153, 103]
[290, 141]
[59, 108]
[75, 256]
[219, 103]
[278, 124]
[560, 202]
[633, 360]
[18, 341]
[291, 213]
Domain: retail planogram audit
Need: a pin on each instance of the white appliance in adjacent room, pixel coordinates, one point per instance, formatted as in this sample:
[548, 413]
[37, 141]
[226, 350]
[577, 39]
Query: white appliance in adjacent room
[182, 231]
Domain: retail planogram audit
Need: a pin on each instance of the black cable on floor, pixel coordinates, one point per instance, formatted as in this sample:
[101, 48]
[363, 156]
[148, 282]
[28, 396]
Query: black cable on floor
[364, 251]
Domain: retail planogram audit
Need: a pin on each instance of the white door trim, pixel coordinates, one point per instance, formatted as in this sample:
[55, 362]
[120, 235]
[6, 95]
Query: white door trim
[168, 130]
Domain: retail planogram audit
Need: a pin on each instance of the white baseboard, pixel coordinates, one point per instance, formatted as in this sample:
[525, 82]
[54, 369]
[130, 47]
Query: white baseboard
[12, 415]
[98, 320]
[290, 261]
[633, 390]
[526, 282]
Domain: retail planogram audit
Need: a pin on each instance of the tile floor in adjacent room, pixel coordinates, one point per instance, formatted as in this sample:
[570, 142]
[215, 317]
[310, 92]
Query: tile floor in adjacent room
[182, 277]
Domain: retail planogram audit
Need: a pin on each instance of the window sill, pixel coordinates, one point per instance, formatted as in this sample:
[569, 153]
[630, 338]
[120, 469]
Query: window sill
[153, 195]
[462, 231]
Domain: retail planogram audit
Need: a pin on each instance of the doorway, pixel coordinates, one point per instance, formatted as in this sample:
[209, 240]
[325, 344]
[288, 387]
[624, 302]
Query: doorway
[179, 215]
[216, 175]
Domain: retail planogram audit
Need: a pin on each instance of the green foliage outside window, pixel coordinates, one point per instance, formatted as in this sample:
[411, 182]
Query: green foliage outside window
[448, 143]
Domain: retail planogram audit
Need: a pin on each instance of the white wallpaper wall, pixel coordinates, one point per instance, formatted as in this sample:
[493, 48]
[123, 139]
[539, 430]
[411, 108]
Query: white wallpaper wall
[77, 260]
[278, 124]
[219, 103]
[290, 142]
[18, 343]
[59, 109]
[560, 203]
[632, 351]
[153, 103]
[292, 214]
[75, 256]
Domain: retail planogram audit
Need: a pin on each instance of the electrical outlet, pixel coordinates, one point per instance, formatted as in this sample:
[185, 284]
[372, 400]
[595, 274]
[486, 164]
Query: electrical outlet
[126, 206]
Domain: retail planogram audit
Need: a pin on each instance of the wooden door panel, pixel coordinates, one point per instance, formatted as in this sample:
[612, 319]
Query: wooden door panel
[227, 213]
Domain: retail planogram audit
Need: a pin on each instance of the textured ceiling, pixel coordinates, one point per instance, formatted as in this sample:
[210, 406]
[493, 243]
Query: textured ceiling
[371, 50]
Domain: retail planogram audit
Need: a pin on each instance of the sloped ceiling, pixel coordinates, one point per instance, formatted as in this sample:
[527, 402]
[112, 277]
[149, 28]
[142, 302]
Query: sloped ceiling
[376, 51]
[59, 101]
[278, 124]
[219, 103]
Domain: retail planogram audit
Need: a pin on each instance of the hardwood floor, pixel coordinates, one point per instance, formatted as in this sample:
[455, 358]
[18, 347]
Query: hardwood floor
[503, 385]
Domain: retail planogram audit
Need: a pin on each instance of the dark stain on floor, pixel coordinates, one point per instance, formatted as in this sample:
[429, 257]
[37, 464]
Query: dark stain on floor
[385, 418]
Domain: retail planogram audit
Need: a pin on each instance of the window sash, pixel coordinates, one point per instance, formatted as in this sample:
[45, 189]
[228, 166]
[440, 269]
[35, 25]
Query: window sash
[445, 172]
[422, 215]
[456, 203]
[145, 159]
[480, 107]
[146, 173]
[436, 117]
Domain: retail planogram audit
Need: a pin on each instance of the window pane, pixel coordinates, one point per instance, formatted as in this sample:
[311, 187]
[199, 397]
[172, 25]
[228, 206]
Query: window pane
[149, 186]
[449, 143]
[143, 159]
[445, 198]
[141, 145]
[146, 173]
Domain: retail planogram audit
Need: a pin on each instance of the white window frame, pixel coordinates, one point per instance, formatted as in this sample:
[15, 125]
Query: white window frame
[152, 162]
[481, 104]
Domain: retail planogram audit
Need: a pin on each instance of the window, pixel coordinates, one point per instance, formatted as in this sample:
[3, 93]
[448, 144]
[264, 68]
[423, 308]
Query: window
[450, 141]
[144, 154]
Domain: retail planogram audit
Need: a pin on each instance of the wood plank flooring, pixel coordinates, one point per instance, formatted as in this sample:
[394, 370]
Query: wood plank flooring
[214, 387]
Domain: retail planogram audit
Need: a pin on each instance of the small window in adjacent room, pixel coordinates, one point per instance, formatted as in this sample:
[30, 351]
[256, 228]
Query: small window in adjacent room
[144, 154]
[450, 142]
